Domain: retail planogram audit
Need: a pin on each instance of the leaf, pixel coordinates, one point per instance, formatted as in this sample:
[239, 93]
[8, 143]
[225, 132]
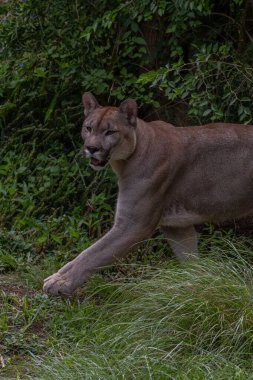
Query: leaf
[51, 108]
[57, 239]
[8, 106]
[21, 169]
[73, 233]
[7, 262]
[160, 11]
[139, 40]
[4, 169]
[40, 71]
[134, 27]
[207, 112]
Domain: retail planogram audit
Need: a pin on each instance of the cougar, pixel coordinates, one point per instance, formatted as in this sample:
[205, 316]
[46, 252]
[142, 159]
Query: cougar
[168, 177]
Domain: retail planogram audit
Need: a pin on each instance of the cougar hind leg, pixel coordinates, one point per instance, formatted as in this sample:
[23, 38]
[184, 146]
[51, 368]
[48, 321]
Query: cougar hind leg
[183, 241]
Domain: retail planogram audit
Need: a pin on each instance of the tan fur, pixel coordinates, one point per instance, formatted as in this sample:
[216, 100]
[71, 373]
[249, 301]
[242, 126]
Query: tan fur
[168, 177]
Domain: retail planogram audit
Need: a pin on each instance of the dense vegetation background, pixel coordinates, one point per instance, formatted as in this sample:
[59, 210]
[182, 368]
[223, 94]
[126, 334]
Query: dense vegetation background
[184, 61]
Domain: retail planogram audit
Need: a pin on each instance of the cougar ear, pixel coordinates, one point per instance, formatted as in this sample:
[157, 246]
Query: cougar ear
[129, 110]
[90, 103]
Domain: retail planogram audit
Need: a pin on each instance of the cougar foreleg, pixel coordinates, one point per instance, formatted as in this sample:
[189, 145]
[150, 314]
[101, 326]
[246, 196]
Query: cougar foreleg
[115, 244]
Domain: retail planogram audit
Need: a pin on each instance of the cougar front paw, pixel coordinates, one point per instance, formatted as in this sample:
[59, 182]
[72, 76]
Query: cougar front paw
[58, 284]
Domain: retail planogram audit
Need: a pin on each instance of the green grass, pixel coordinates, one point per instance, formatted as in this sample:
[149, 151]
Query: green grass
[162, 321]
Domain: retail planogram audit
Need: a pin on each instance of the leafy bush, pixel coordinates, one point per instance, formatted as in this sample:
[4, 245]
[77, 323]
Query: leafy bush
[186, 61]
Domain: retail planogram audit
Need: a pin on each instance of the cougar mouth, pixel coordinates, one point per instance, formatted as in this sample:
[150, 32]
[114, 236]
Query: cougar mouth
[98, 163]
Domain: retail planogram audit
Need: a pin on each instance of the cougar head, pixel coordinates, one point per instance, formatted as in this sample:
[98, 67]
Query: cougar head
[109, 133]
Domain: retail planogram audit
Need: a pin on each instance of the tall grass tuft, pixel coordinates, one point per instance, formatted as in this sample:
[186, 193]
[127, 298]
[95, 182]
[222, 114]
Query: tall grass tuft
[171, 322]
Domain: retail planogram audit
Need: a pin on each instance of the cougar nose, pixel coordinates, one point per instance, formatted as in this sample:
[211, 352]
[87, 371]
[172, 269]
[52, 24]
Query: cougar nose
[92, 149]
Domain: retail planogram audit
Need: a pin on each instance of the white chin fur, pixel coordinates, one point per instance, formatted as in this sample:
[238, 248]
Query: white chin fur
[97, 168]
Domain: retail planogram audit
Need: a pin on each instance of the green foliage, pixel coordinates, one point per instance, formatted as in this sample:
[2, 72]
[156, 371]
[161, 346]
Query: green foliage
[54, 51]
[196, 53]
[213, 87]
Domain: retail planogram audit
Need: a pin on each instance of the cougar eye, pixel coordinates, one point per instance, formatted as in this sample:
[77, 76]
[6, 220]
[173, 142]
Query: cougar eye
[110, 132]
[88, 128]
